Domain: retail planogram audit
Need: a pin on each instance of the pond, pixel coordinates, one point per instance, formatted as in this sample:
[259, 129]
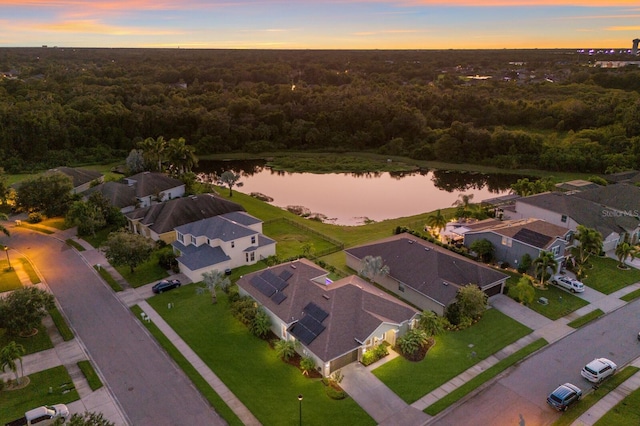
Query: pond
[355, 198]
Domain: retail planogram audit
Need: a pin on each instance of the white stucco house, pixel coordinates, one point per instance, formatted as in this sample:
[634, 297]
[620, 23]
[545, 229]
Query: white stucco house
[221, 242]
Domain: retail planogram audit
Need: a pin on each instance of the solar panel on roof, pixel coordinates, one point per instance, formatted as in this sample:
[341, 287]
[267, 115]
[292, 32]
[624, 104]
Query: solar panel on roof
[302, 334]
[285, 275]
[315, 311]
[534, 238]
[312, 325]
[262, 286]
[278, 297]
[275, 282]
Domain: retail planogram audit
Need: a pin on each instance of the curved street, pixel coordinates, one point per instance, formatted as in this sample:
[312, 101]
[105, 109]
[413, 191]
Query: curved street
[519, 398]
[149, 387]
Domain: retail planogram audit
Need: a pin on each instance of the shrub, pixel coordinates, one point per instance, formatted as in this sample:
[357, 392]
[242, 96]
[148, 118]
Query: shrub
[285, 349]
[35, 217]
[375, 354]
[335, 393]
[411, 343]
[245, 310]
[307, 364]
[525, 263]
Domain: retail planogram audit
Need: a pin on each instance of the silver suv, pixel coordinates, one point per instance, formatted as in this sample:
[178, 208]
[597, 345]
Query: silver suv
[568, 283]
[598, 370]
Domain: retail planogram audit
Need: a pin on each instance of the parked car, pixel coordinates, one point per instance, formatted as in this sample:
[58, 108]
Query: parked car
[564, 396]
[42, 416]
[598, 370]
[568, 283]
[165, 285]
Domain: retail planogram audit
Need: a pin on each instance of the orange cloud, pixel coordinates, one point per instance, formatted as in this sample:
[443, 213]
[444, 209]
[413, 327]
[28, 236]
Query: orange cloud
[629, 28]
[516, 3]
[95, 27]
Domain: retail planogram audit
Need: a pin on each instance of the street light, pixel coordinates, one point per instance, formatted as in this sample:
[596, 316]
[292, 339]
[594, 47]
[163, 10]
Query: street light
[6, 250]
[300, 403]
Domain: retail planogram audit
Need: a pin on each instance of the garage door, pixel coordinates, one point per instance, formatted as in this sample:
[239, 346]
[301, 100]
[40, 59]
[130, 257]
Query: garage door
[345, 359]
[492, 291]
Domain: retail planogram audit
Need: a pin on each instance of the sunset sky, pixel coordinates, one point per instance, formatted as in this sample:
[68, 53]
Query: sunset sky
[318, 24]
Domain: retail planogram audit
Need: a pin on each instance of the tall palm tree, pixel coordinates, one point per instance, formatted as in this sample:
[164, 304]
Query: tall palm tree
[464, 200]
[153, 150]
[230, 179]
[181, 156]
[437, 221]
[542, 264]
[373, 267]
[3, 228]
[624, 251]
[590, 243]
[9, 354]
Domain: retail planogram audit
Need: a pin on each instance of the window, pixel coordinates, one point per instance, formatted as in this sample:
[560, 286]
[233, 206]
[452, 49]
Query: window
[401, 288]
[506, 241]
[253, 256]
[209, 241]
[233, 244]
[193, 240]
[555, 250]
[563, 219]
[246, 257]
[253, 239]
[180, 237]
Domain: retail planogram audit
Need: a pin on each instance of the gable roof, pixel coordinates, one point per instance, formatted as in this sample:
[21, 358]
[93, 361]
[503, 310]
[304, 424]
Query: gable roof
[354, 308]
[583, 211]
[427, 268]
[151, 183]
[166, 216]
[216, 227]
[78, 176]
[118, 194]
[535, 232]
[622, 196]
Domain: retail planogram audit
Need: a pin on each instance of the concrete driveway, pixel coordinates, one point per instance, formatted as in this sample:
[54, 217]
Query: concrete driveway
[149, 387]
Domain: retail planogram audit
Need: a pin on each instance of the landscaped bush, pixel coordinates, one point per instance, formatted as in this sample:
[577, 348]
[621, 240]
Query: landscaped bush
[375, 354]
[167, 260]
[307, 365]
[334, 393]
[245, 310]
[415, 344]
[35, 217]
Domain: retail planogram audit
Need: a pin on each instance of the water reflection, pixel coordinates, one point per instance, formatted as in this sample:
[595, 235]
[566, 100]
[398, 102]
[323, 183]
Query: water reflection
[353, 198]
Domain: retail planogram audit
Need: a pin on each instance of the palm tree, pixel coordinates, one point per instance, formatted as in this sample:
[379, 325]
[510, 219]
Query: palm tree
[624, 251]
[463, 202]
[431, 323]
[542, 264]
[590, 243]
[214, 280]
[373, 267]
[153, 150]
[181, 156]
[3, 229]
[230, 179]
[8, 355]
[437, 221]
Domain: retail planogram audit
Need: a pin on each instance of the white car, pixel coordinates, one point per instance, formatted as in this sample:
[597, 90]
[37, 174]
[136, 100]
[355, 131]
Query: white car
[598, 370]
[568, 283]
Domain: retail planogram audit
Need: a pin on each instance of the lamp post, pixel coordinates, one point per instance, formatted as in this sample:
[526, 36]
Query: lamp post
[6, 250]
[300, 404]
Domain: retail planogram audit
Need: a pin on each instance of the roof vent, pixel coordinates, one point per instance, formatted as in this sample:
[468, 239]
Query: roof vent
[293, 266]
[445, 283]
[426, 249]
[325, 296]
[410, 241]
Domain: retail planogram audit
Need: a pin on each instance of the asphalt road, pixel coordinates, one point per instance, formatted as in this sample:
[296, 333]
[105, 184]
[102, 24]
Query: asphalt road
[519, 398]
[147, 384]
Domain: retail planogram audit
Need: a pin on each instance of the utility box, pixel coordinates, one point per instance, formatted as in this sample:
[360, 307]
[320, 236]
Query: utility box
[543, 301]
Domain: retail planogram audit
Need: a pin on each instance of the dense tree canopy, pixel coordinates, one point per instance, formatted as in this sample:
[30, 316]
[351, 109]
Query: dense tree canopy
[548, 108]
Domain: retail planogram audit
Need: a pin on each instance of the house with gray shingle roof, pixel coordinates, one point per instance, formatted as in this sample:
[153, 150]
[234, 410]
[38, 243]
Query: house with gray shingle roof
[335, 323]
[425, 274]
[118, 195]
[153, 187]
[512, 239]
[221, 242]
[82, 179]
[612, 210]
[158, 221]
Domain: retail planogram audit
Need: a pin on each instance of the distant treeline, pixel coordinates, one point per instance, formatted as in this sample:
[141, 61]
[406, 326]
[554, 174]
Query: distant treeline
[545, 109]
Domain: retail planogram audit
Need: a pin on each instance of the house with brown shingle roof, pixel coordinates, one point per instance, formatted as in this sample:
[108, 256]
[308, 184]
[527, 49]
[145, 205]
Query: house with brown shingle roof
[335, 323]
[153, 187]
[512, 239]
[425, 274]
[117, 194]
[158, 221]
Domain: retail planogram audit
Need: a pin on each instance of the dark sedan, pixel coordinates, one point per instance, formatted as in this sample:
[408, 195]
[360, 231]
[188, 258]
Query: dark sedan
[166, 285]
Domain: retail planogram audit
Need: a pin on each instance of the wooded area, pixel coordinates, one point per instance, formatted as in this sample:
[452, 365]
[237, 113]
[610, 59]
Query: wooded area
[545, 109]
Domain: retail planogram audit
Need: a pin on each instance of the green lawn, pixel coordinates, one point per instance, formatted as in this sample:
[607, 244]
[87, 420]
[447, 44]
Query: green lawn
[115, 285]
[266, 385]
[291, 239]
[36, 343]
[28, 268]
[16, 402]
[8, 278]
[606, 277]
[144, 273]
[585, 319]
[90, 374]
[592, 398]
[484, 377]
[631, 296]
[625, 413]
[561, 303]
[453, 353]
[61, 324]
[55, 222]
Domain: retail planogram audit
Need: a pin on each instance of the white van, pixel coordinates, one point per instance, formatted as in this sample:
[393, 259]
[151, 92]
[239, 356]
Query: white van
[568, 283]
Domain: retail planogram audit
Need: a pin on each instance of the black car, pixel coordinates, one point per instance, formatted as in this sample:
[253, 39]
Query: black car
[564, 396]
[166, 285]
